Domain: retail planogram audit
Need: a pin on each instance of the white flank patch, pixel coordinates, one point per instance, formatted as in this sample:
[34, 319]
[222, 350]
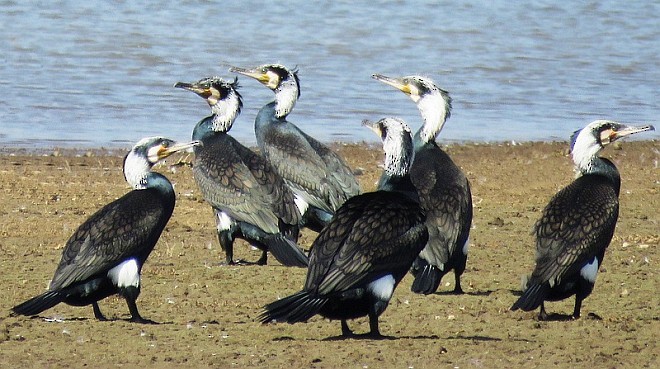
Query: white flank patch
[466, 246]
[301, 204]
[224, 222]
[590, 270]
[382, 287]
[125, 274]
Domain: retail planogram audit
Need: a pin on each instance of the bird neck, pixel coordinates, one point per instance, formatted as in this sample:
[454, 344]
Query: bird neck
[224, 115]
[396, 176]
[138, 174]
[396, 183]
[435, 110]
[600, 166]
[204, 129]
[286, 96]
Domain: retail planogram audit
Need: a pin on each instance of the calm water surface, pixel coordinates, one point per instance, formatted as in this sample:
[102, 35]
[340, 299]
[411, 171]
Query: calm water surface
[100, 73]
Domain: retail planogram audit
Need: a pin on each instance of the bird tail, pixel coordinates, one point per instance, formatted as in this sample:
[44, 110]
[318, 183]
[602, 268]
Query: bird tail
[427, 277]
[286, 251]
[532, 297]
[298, 307]
[39, 303]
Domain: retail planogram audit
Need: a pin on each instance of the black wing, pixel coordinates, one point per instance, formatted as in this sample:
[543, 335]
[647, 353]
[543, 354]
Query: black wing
[234, 179]
[444, 194]
[128, 226]
[289, 150]
[370, 234]
[576, 225]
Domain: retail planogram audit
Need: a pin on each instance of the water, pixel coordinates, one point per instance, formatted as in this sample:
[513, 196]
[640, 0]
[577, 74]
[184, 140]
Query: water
[100, 74]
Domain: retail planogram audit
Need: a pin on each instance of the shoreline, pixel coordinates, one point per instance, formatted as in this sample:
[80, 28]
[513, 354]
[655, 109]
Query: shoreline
[118, 151]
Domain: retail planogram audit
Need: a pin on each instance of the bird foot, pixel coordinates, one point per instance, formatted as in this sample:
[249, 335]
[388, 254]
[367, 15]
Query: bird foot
[141, 320]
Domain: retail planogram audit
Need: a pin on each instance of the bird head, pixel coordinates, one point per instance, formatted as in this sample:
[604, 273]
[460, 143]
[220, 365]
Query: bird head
[433, 102]
[145, 154]
[587, 142]
[281, 80]
[397, 144]
[222, 96]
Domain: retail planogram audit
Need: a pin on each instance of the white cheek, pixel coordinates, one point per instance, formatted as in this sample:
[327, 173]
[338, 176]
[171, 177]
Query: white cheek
[382, 287]
[125, 274]
[224, 222]
[590, 270]
[153, 154]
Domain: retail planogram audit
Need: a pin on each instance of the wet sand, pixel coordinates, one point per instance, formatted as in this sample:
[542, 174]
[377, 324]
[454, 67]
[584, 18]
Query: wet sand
[207, 311]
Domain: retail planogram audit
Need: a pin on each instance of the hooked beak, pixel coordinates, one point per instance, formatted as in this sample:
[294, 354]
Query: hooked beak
[629, 130]
[255, 73]
[374, 126]
[203, 92]
[166, 151]
[394, 82]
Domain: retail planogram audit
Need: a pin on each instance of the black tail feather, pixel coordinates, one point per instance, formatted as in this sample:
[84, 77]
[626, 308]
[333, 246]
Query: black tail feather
[532, 298]
[39, 303]
[427, 277]
[298, 307]
[286, 251]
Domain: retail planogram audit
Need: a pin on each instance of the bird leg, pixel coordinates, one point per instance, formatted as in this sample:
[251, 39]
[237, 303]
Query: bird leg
[97, 312]
[578, 306]
[227, 245]
[263, 259]
[542, 314]
[130, 294]
[345, 331]
[135, 315]
[457, 285]
[374, 332]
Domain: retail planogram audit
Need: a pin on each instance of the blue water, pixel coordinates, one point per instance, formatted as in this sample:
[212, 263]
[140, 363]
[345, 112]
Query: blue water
[100, 73]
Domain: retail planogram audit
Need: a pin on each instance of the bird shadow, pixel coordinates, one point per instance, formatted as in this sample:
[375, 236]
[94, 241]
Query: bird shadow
[471, 293]
[558, 317]
[516, 292]
[475, 338]
[368, 337]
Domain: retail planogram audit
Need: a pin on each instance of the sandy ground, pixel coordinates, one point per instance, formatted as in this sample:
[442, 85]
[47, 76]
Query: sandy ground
[207, 311]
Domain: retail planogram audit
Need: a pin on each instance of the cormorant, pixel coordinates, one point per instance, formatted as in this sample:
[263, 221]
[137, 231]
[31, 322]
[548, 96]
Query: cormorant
[443, 189]
[360, 257]
[106, 253]
[249, 199]
[578, 223]
[321, 180]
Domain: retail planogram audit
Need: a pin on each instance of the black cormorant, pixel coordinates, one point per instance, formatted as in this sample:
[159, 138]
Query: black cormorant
[362, 254]
[578, 223]
[321, 180]
[444, 191]
[105, 255]
[249, 199]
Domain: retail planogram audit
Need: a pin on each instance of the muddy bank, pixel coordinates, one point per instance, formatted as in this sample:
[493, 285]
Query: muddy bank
[208, 311]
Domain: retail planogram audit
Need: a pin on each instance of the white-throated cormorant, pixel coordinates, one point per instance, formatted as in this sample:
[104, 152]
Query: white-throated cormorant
[444, 191]
[249, 199]
[578, 223]
[362, 254]
[106, 253]
[321, 180]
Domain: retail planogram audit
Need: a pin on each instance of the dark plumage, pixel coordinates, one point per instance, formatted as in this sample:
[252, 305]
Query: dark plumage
[106, 253]
[359, 258]
[444, 191]
[578, 223]
[321, 180]
[249, 199]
